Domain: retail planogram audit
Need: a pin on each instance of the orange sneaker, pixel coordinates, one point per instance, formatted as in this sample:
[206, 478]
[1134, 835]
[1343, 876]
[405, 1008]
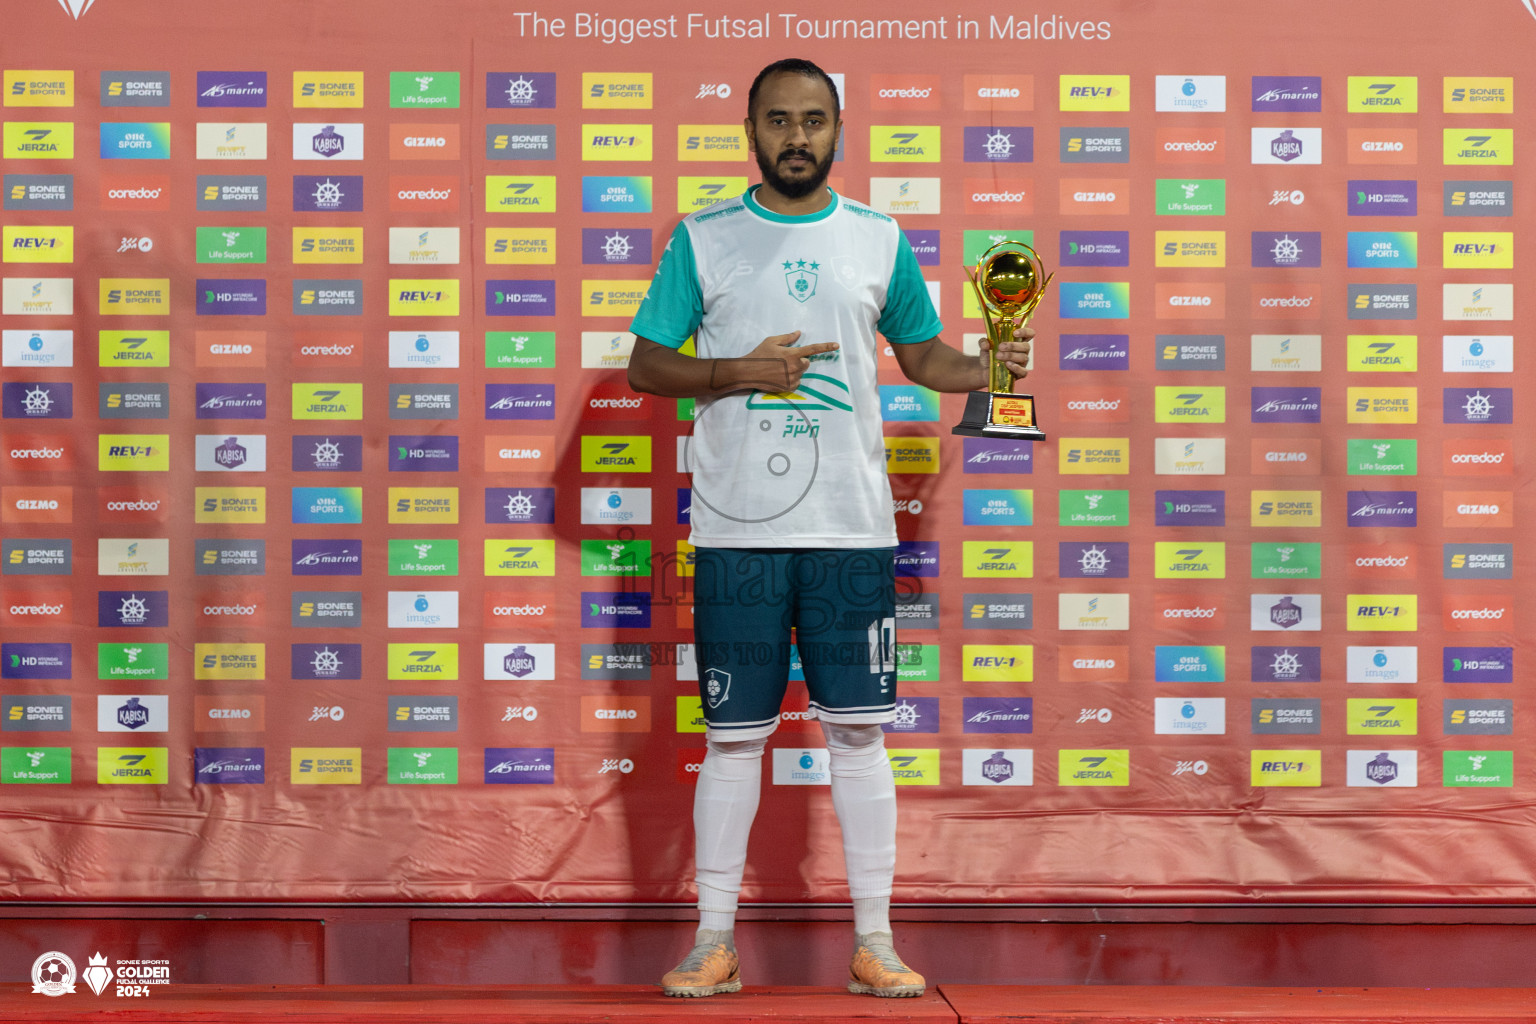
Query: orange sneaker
[877, 970]
[709, 969]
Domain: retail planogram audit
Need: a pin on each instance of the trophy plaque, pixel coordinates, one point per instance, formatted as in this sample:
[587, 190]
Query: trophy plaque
[1009, 283]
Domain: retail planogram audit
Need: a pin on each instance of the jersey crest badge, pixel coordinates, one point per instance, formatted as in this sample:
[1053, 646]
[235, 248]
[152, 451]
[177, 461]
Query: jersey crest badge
[717, 687]
[800, 278]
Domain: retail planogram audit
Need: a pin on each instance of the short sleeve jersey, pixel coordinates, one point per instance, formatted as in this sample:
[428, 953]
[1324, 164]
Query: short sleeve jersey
[806, 468]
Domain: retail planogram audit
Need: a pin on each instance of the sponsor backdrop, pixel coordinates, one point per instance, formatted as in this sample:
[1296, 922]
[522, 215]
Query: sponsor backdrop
[340, 563]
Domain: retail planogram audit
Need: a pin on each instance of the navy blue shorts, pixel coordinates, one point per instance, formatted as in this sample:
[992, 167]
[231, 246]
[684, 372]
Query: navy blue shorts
[841, 605]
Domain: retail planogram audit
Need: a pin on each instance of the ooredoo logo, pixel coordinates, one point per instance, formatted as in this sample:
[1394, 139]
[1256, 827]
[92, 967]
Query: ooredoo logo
[1190, 146]
[613, 401]
[904, 92]
[1478, 457]
[990, 195]
[1477, 613]
[1095, 404]
[416, 193]
[45, 452]
[231, 608]
[136, 192]
[1393, 561]
[506, 609]
[1290, 301]
[132, 504]
[34, 606]
[1189, 612]
[328, 348]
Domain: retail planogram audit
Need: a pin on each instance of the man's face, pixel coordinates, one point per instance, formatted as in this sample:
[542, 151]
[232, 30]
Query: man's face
[794, 133]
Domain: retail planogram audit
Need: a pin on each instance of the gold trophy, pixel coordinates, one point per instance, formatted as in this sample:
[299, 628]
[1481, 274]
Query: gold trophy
[1009, 283]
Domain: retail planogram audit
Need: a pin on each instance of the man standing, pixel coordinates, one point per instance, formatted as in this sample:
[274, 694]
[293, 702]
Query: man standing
[783, 290]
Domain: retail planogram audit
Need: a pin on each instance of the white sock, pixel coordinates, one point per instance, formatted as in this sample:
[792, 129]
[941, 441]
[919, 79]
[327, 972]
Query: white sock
[864, 796]
[872, 914]
[717, 909]
[724, 803]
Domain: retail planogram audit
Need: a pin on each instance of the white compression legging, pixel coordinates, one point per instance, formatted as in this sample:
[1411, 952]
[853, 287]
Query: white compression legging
[863, 795]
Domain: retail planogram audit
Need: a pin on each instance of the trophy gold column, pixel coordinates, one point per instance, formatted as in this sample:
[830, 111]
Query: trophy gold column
[1009, 282]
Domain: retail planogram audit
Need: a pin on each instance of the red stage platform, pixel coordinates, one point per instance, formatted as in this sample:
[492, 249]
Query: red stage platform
[951, 1004]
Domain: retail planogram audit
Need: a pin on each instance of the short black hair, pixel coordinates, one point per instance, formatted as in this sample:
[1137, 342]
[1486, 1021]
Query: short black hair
[794, 66]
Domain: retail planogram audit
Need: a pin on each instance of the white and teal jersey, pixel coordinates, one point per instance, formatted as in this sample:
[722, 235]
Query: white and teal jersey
[805, 469]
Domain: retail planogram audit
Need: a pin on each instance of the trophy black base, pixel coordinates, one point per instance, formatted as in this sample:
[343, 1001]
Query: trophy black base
[991, 414]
